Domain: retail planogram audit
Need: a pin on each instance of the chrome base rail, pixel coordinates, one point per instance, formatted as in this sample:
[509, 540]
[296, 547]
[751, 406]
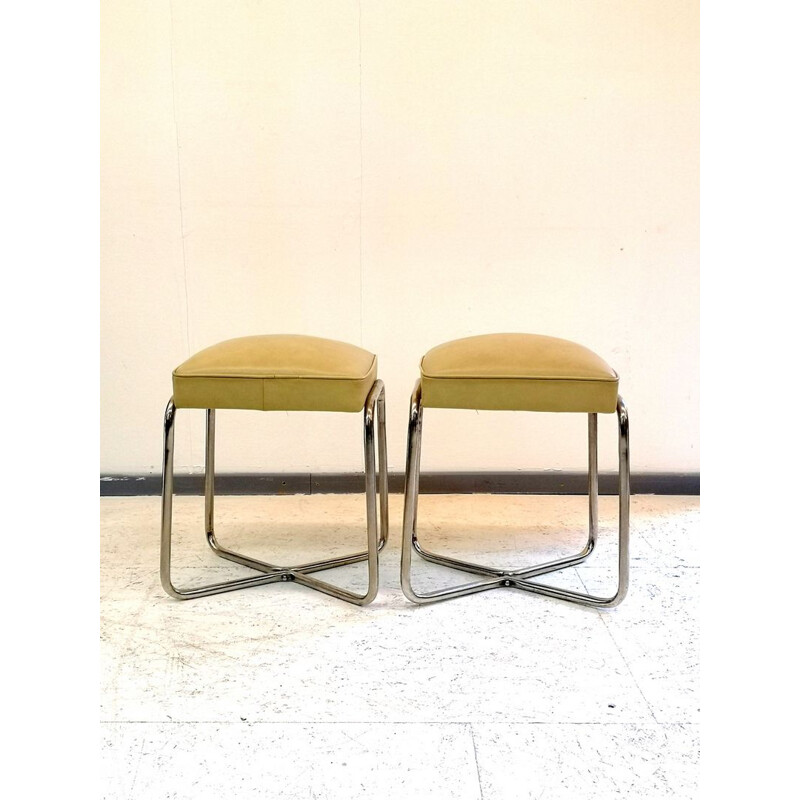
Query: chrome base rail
[377, 485]
[517, 578]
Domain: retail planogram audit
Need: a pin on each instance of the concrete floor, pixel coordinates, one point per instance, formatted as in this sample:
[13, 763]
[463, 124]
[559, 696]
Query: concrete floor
[279, 691]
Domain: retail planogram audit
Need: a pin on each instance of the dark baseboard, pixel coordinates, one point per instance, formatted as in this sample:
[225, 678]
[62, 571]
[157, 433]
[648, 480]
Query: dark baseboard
[685, 483]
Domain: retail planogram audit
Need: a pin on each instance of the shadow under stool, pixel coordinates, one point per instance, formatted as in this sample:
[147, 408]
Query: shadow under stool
[517, 372]
[280, 373]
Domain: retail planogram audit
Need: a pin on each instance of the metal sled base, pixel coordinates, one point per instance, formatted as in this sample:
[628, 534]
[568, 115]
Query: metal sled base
[495, 578]
[272, 573]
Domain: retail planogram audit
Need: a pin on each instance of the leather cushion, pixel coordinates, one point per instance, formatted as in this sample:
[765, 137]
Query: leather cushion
[276, 373]
[517, 372]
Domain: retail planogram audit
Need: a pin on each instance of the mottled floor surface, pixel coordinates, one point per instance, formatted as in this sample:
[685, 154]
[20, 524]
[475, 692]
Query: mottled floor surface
[279, 691]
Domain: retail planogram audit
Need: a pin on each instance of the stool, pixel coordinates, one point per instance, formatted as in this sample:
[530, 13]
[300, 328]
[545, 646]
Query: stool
[279, 373]
[517, 372]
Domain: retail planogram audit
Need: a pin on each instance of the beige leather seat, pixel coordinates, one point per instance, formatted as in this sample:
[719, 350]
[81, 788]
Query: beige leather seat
[517, 371]
[276, 373]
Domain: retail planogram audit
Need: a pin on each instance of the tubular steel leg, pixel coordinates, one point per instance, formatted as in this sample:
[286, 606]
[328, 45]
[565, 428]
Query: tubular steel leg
[370, 480]
[223, 552]
[624, 532]
[383, 474]
[516, 578]
[374, 407]
[410, 515]
[166, 528]
[593, 488]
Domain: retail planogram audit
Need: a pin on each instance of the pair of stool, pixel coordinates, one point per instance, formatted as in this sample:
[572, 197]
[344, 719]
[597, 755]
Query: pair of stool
[515, 372]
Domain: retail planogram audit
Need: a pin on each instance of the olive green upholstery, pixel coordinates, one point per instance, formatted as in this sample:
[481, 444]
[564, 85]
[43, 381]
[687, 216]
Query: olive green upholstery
[517, 372]
[276, 373]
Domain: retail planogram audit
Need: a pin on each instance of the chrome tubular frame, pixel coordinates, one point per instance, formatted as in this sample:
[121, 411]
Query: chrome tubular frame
[517, 578]
[376, 485]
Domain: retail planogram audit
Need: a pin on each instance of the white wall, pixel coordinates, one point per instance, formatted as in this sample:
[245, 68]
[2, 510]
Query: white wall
[399, 174]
